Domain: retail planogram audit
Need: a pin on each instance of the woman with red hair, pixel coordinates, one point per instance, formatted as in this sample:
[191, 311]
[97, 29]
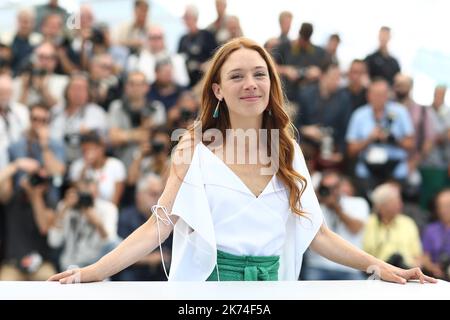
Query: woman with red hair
[245, 219]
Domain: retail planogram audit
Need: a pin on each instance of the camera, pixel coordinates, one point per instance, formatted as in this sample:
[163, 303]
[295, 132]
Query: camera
[397, 260]
[148, 110]
[327, 142]
[186, 114]
[85, 200]
[97, 36]
[4, 63]
[324, 191]
[391, 139]
[72, 139]
[136, 116]
[36, 179]
[157, 146]
[36, 73]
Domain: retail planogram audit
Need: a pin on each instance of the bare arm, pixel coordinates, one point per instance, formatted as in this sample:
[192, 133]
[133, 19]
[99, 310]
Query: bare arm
[407, 143]
[42, 214]
[139, 244]
[355, 147]
[6, 183]
[51, 163]
[333, 247]
[119, 137]
[118, 192]
[134, 170]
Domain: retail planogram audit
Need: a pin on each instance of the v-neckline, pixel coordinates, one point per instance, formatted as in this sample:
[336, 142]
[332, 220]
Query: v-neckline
[236, 177]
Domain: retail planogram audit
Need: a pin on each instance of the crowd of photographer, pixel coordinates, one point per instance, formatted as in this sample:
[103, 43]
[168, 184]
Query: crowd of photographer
[85, 139]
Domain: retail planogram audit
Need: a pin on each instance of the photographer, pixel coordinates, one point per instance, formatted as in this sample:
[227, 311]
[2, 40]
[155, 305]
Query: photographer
[323, 119]
[14, 118]
[152, 157]
[131, 118]
[380, 135]
[99, 43]
[425, 133]
[184, 112]
[300, 61]
[132, 34]
[28, 217]
[104, 85]
[197, 46]
[52, 30]
[165, 89]
[37, 144]
[436, 239]
[109, 172]
[390, 235]
[155, 50]
[23, 40]
[30, 198]
[38, 81]
[78, 115]
[85, 226]
[344, 215]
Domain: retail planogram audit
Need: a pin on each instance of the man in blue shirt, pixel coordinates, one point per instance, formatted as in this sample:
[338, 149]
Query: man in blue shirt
[30, 200]
[380, 134]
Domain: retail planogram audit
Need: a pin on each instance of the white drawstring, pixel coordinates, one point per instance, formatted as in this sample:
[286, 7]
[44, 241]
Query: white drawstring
[166, 220]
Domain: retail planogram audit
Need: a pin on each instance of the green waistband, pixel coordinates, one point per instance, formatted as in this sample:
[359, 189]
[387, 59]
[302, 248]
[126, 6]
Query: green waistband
[245, 268]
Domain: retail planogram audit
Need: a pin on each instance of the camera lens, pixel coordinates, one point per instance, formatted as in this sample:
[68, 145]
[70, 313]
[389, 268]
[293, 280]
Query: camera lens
[157, 146]
[85, 200]
[324, 191]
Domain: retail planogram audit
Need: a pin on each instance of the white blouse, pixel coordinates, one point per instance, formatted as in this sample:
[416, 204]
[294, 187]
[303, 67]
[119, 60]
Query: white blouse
[217, 211]
[237, 213]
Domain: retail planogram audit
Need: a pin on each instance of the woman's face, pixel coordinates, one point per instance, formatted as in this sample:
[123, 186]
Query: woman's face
[244, 83]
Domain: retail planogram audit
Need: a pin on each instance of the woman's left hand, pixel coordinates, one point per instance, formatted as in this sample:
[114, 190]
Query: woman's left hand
[393, 274]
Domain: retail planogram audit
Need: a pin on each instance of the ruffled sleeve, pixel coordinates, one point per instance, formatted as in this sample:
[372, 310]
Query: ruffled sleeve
[194, 245]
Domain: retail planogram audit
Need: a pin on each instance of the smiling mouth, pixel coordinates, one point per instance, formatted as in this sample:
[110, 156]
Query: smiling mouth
[252, 98]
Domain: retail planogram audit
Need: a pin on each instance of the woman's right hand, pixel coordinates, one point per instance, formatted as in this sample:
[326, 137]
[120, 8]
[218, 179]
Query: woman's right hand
[79, 275]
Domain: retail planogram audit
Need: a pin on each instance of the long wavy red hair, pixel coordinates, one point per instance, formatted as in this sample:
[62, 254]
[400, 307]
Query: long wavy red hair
[278, 119]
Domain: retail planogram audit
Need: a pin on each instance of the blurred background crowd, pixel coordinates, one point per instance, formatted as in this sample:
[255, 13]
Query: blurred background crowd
[88, 110]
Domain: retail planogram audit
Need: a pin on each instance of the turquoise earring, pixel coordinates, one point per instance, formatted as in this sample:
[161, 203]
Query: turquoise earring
[270, 112]
[216, 111]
